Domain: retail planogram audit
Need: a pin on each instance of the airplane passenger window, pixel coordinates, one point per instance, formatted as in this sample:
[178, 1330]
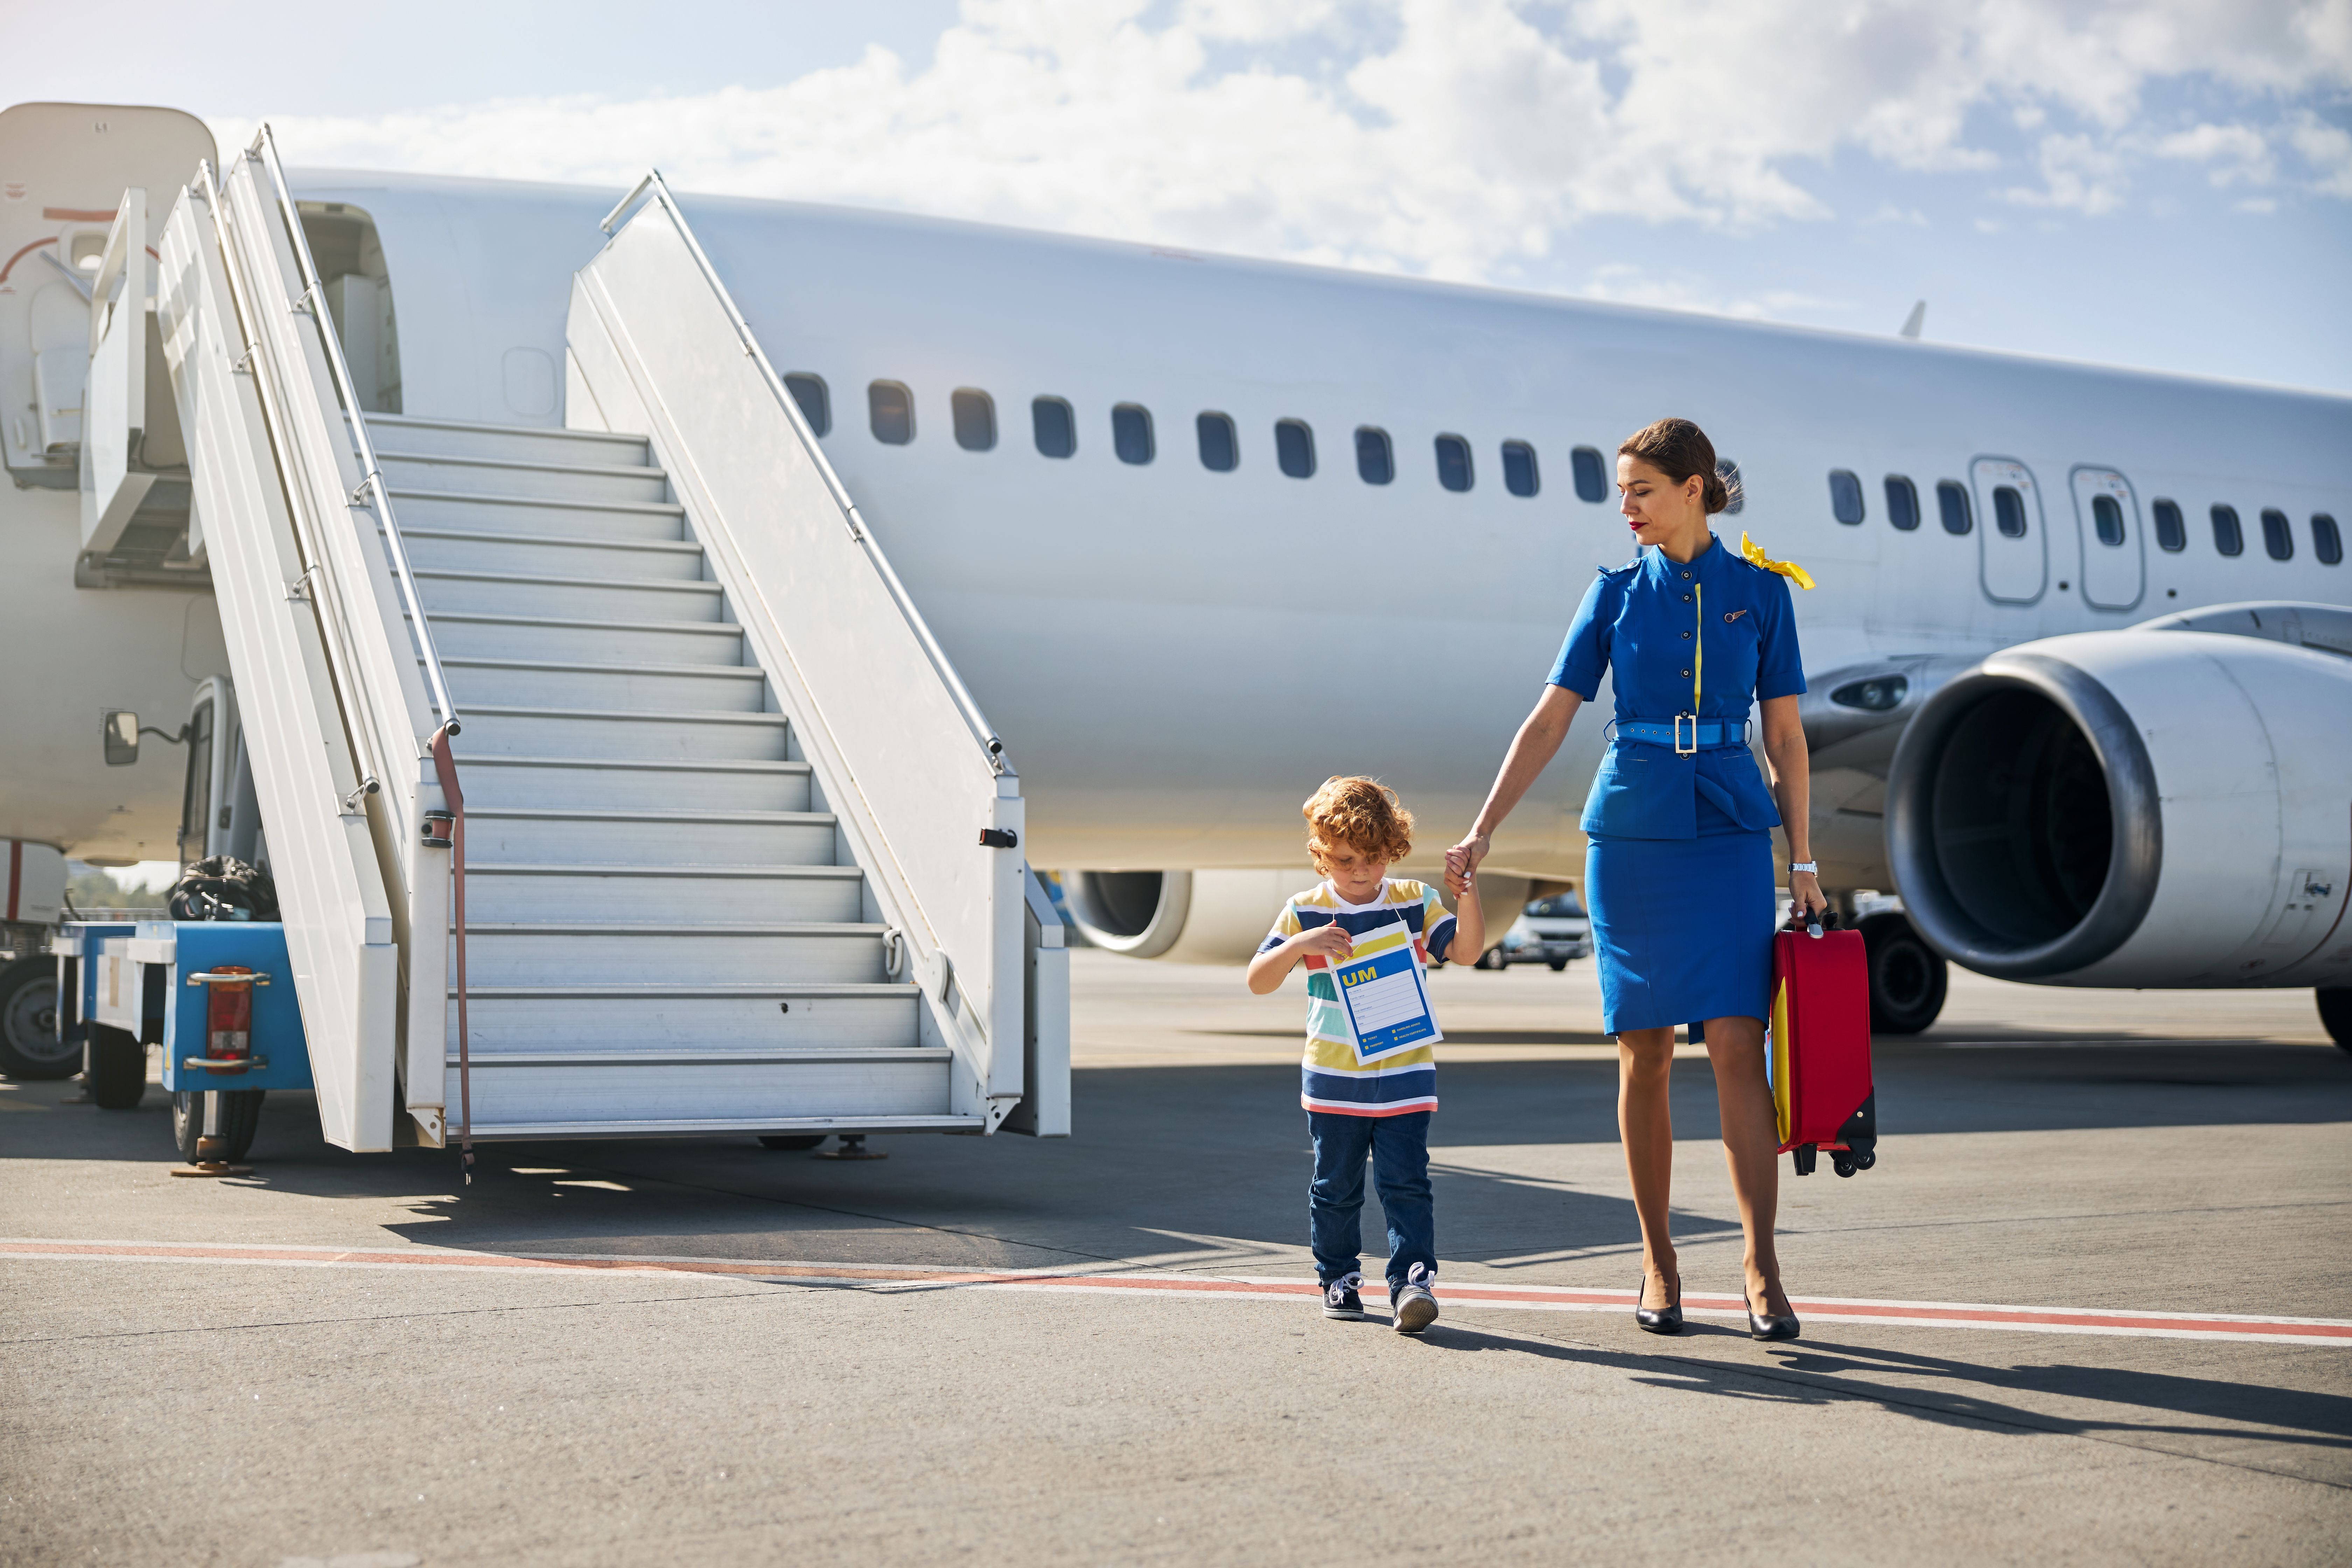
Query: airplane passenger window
[890, 409]
[2277, 538]
[1375, 460]
[2009, 511]
[1902, 502]
[2171, 532]
[1453, 462]
[975, 419]
[1220, 449]
[2326, 542]
[1130, 432]
[1519, 474]
[1845, 497]
[1294, 448]
[1729, 473]
[2107, 520]
[2228, 537]
[1952, 505]
[1057, 429]
[816, 407]
[1584, 467]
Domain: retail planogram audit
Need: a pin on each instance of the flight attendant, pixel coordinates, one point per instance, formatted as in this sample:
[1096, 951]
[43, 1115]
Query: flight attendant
[1679, 873]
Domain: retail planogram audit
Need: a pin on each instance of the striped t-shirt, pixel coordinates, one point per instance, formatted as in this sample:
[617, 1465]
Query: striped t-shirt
[1333, 1081]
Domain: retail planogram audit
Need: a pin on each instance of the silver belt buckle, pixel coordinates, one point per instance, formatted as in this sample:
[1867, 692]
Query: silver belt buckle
[1680, 749]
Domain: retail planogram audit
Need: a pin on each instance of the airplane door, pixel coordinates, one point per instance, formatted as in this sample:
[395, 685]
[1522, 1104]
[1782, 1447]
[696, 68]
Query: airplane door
[2106, 519]
[2013, 556]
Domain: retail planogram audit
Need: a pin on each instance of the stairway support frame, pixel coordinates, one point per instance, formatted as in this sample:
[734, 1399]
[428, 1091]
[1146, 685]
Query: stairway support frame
[899, 750]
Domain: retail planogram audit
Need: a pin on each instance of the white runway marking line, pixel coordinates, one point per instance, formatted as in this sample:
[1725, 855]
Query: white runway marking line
[2243, 1328]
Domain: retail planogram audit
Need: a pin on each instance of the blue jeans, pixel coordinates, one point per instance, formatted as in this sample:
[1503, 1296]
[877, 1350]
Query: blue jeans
[1399, 1147]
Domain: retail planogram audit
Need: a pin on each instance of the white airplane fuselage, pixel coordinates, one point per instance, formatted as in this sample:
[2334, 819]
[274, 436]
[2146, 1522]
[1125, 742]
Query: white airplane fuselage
[1177, 655]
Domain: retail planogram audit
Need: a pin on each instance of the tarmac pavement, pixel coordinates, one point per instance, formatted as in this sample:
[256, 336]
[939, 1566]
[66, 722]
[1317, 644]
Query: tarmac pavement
[1077, 1350]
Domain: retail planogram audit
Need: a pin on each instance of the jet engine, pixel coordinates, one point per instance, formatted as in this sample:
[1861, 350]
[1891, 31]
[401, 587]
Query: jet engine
[1218, 916]
[2167, 805]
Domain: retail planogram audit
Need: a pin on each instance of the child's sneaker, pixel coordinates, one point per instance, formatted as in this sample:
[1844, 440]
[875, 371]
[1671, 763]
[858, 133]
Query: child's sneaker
[1414, 1305]
[1340, 1299]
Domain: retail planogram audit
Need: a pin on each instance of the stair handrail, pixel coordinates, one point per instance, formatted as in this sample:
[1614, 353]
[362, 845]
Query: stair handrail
[991, 744]
[265, 146]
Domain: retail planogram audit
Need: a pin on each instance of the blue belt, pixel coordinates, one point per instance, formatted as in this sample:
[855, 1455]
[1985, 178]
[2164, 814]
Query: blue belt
[1685, 734]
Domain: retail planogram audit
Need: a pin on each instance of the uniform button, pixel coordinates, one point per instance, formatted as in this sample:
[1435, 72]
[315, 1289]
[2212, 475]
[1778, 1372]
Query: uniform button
[1686, 636]
[1685, 576]
[1686, 672]
[1686, 598]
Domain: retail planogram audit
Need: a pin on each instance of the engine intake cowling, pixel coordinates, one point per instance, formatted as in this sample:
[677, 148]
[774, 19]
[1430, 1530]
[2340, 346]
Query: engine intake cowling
[2124, 808]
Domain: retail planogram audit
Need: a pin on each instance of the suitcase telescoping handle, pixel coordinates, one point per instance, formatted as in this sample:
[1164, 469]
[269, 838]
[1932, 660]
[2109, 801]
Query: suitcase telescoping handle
[1810, 923]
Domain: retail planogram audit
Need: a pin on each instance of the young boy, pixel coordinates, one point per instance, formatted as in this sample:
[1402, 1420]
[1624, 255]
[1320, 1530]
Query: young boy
[1356, 830]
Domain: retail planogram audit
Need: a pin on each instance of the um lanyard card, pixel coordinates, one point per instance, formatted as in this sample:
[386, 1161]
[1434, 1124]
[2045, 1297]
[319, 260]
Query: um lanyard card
[1383, 995]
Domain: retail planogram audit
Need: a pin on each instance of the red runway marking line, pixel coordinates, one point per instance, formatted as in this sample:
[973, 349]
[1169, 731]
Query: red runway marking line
[1553, 1298]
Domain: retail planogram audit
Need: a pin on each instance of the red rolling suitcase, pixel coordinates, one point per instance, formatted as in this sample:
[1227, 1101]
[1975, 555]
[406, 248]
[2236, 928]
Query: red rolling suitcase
[1818, 1050]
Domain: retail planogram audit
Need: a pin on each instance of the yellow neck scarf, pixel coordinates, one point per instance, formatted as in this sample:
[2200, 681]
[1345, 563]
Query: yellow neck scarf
[1754, 554]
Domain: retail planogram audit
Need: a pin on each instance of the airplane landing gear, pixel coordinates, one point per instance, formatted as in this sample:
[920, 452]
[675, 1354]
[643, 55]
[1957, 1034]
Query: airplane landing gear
[1909, 979]
[2335, 1013]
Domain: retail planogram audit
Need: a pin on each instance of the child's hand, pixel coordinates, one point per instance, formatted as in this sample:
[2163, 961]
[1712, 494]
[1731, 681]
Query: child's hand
[1330, 942]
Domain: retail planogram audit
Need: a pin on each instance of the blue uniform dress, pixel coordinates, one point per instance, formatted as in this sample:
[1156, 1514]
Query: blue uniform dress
[1679, 874]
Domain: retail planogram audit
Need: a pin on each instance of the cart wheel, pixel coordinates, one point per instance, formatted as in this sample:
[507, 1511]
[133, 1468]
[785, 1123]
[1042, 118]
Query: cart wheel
[790, 1140]
[115, 1070]
[29, 1047]
[240, 1119]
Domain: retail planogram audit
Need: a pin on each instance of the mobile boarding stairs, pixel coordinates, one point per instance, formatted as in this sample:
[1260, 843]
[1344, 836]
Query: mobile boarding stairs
[740, 852]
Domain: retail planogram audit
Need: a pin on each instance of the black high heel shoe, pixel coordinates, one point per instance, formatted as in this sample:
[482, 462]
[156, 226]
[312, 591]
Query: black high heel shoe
[1768, 1325]
[1666, 1320]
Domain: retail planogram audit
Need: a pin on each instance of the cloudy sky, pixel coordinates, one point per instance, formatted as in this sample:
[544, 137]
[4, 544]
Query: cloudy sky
[2156, 183]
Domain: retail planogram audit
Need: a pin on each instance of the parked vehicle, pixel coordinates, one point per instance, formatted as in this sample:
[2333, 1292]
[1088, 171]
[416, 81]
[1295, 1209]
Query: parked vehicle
[1550, 931]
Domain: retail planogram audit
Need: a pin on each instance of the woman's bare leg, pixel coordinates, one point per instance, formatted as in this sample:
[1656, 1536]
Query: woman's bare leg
[1645, 1064]
[1736, 1046]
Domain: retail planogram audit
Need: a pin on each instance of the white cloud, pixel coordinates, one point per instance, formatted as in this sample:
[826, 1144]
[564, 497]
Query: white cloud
[1458, 138]
[2234, 153]
[2078, 172]
[2327, 149]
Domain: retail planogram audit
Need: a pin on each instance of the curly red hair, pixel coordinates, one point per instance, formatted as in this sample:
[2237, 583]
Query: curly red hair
[1362, 813]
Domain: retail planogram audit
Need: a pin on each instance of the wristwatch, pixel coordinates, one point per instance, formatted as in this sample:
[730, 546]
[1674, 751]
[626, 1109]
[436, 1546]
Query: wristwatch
[1810, 868]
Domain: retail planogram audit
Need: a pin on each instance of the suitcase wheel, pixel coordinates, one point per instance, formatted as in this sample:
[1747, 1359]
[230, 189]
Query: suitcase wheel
[1842, 1164]
[1864, 1159]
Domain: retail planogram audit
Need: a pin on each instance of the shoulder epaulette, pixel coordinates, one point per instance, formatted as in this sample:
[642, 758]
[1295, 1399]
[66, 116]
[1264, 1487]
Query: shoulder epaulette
[1633, 565]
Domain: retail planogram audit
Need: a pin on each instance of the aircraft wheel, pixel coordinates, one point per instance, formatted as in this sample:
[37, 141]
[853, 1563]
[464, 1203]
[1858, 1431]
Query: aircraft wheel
[790, 1140]
[1492, 959]
[1558, 964]
[1909, 979]
[2335, 1013]
[115, 1071]
[240, 1119]
[29, 1047]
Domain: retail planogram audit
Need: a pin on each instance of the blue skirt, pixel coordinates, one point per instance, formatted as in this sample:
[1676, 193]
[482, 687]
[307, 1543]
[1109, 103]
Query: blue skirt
[1682, 928]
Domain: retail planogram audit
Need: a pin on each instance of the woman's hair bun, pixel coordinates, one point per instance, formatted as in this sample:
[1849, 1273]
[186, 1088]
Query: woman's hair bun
[1678, 448]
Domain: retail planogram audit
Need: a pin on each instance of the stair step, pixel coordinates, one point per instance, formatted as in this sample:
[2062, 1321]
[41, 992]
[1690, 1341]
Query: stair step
[542, 637]
[534, 514]
[494, 730]
[501, 892]
[522, 477]
[717, 1127]
[754, 1096]
[567, 598]
[776, 1015]
[612, 784]
[459, 437]
[547, 556]
[544, 835]
[631, 688]
[516, 952]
